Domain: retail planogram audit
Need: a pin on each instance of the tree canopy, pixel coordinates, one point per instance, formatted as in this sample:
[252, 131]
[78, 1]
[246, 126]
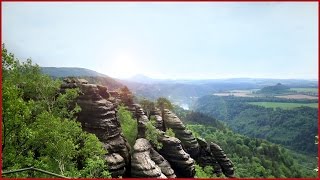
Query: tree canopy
[35, 111]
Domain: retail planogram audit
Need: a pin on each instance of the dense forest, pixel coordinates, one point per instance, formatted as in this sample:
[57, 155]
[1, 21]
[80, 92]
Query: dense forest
[293, 128]
[35, 111]
[253, 157]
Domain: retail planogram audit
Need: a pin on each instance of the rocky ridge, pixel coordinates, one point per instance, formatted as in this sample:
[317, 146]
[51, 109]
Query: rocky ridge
[175, 159]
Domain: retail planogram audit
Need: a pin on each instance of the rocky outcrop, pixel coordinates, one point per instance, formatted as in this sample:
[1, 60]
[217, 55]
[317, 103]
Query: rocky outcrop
[188, 141]
[174, 159]
[138, 111]
[116, 164]
[180, 161]
[146, 162]
[142, 122]
[98, 116]
[206, 158]
[103, 91]
[156, 114]
[224, 162]
[162, 163]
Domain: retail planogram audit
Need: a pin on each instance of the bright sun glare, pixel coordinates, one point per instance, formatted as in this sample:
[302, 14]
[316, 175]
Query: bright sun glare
[123, 66]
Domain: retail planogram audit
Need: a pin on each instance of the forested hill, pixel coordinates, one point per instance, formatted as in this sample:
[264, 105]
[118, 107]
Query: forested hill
[276, 89]
[294, 128]
[69, 71]
[91, 76]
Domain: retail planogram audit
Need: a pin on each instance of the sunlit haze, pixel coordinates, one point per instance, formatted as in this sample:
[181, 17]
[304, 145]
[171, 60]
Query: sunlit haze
[168, 40]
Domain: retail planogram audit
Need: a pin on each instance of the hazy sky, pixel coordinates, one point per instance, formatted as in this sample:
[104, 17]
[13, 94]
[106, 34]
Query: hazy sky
[168, 40]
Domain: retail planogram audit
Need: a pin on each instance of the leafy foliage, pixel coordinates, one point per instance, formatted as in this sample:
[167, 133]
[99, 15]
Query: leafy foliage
[205, 172]
[255, 157]
[34, 111]
[128, 124]
[164, 103]
[153, 134]
[169, 132]
[147, 106]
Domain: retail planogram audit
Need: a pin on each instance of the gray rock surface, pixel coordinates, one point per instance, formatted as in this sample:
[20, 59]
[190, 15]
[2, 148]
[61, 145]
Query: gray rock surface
[223, 160]
[206, 158]
[147, 163]
[189, 142]
[98, 116]
[180, 161]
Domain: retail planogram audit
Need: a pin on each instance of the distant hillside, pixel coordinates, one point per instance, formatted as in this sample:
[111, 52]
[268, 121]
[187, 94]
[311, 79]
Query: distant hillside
[90, 75]
[140, 78]
[276, 89]
[294, 128]
[70, 71]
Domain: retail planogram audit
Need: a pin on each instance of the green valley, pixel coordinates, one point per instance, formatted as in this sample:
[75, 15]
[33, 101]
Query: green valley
[293, 127]
[253, 157]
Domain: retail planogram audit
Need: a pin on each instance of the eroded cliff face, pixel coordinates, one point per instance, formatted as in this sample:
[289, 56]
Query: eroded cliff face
[180, 160]
[176, 158]
[205, 154]
[188, 141]
[98, 116]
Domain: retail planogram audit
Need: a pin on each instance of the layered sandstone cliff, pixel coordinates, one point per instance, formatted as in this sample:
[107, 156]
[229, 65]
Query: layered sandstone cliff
[178, 154]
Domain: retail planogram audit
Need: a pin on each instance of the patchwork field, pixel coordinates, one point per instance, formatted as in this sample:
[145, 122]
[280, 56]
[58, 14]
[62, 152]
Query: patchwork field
[297, 96]
[311, 90]
[238, 93]
[284, 105]
[300, 93]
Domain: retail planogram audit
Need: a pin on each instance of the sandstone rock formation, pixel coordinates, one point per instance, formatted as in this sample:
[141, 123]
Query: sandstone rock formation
[98, 116]
[146, 162]
[180, 161]
[224, 162]
[156, 114]
[188, 141]
[116, 164]
[205, 154]
[142, 122]
[162, 163]
[206, 158]
[175, 159]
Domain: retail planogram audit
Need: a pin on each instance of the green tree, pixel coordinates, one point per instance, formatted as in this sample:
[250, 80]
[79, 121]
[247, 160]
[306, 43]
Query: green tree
[39, 128]
[147, 106]
[153, 134]
[206, 172]
[128, 124]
